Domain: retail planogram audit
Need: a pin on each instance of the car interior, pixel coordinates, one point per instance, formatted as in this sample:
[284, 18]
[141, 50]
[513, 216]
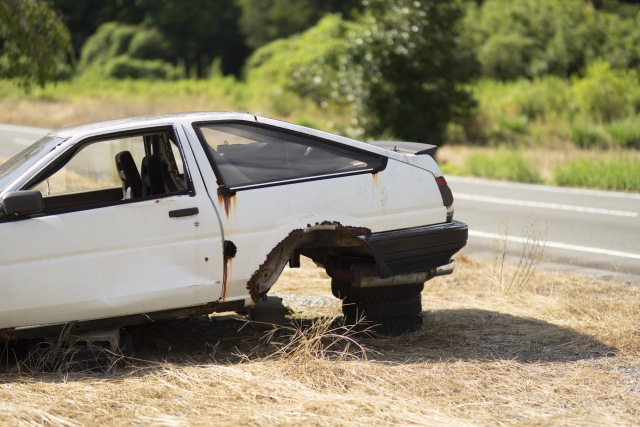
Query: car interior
[245, 155]
[143, 166]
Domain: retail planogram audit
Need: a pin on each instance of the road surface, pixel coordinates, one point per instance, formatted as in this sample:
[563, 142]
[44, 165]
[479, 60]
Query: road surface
[589, 231]
[586, 228]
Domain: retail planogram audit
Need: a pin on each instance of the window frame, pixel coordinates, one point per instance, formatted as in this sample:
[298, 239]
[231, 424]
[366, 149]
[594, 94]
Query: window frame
[224, 189]
[63, 159]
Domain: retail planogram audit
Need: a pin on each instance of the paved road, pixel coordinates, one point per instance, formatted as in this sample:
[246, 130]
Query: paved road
[14, 139]
[586, 229]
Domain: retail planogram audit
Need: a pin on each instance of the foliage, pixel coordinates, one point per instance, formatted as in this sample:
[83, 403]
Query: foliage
[127, 51]
[503, 164]
[33, 42]
[265, 20]
[589, 136]
[625, 133]
[398, 68]
[533, 38]
[197, 31]
[607, 173]
[604, 94]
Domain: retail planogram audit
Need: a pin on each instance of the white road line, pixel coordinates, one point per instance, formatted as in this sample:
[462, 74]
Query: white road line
[556, 245]
[544, 205]
[545, 188]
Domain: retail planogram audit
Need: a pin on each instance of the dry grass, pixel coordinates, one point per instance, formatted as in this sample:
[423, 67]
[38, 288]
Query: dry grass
[563, 351]
[56, 114]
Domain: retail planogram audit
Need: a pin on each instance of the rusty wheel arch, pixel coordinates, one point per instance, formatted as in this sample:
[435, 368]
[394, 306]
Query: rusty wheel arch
[312, 241]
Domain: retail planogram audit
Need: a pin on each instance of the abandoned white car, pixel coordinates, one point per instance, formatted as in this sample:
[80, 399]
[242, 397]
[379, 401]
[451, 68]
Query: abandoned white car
[118, 223]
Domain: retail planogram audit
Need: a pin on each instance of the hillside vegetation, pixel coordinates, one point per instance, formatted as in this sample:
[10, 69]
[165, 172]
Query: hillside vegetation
[560, 76]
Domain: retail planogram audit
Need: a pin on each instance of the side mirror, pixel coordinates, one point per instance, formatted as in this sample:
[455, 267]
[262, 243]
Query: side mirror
[16, 203]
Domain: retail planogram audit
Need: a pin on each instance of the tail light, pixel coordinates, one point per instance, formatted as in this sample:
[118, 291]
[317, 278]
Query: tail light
[447, 196]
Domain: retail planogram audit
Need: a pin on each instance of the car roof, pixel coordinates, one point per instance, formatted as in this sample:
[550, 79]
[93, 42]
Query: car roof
[89, 129]
[143, 121]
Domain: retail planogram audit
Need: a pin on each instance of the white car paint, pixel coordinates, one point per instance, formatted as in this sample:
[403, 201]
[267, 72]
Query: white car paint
[133, 258]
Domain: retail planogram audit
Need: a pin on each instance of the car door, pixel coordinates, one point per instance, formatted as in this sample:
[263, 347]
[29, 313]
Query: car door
[110, 256]
[272, 181]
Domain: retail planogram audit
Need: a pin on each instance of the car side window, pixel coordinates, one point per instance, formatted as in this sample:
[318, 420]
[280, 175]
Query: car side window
[112, 170]
[248, 154]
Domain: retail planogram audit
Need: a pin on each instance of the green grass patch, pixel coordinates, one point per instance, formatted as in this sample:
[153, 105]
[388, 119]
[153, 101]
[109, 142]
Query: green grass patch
[625, 133]
[501, 164]
[589, 136]
[609, 174]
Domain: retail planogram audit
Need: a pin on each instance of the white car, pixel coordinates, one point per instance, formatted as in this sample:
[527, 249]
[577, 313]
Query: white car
[122, 222]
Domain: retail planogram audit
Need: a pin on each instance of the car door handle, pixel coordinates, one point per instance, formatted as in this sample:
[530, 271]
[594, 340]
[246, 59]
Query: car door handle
[183, 212]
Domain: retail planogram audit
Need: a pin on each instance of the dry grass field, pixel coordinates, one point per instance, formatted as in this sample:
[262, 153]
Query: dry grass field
[563, 351]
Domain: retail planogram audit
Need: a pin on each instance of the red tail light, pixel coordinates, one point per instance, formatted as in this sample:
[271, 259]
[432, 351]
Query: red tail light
[447, 197]
[445, 191]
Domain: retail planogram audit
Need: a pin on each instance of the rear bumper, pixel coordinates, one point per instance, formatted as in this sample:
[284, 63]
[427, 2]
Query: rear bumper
[416, 249]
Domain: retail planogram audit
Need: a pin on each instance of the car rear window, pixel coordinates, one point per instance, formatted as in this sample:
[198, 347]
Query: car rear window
[247, 155]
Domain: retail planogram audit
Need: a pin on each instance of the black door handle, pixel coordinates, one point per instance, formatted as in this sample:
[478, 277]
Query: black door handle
[183, 212]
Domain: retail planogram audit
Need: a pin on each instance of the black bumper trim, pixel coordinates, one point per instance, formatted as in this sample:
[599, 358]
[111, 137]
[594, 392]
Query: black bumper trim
[416, 249]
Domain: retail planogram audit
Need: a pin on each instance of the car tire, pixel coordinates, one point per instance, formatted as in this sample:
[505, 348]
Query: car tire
[389, 327]
[349, 294]
[126, 343]
[384, 310]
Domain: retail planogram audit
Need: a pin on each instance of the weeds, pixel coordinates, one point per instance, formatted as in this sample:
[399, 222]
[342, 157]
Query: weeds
[502, 164]
[605, 173]
[532, 246]
[324, 339]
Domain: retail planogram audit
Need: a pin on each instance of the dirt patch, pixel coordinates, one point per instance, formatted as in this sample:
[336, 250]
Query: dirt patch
[564, 351]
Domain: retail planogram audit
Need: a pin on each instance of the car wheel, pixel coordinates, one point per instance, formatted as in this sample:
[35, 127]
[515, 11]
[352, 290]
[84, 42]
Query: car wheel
[390, 327]
[384, 310]
[126, 343]
[345, 291]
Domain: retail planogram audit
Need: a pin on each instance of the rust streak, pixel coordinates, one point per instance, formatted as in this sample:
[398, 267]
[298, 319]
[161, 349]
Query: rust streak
[226, 200]
[229, 251]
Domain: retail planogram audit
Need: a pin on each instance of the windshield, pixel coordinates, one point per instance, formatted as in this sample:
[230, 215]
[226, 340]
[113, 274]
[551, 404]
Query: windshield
[18, 164]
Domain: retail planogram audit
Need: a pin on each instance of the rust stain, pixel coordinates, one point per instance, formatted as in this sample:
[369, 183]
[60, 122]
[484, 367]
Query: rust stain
[226, 200]
[356, 231]
[228, 272]
[252, 284]
[229, 251]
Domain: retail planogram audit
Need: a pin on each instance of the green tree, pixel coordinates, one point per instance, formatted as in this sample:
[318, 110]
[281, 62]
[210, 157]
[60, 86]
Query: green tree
[400, 68]
[33, 42]
[197, 31]
[532, 38]
[265, 20]
[128, 51]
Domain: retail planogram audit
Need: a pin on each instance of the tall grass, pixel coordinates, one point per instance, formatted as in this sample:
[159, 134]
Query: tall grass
[502, 164]
[605, 173]
[625, 133]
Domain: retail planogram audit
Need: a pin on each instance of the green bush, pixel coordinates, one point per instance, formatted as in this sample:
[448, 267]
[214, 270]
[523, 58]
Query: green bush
[604, 94]
[625, 133]
[589, 136]
[381, 68]
[534, 38]
[503, 164]
[124, 67]
[127, 51]
[611, 174]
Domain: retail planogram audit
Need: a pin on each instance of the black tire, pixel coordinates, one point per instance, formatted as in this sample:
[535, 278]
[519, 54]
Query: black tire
[384, 310]
[389, 327]
[126, 343]
[349, 294]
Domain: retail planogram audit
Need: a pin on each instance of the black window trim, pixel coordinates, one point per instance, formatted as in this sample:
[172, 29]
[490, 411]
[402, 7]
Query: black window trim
[224, 189]
[190, 191]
